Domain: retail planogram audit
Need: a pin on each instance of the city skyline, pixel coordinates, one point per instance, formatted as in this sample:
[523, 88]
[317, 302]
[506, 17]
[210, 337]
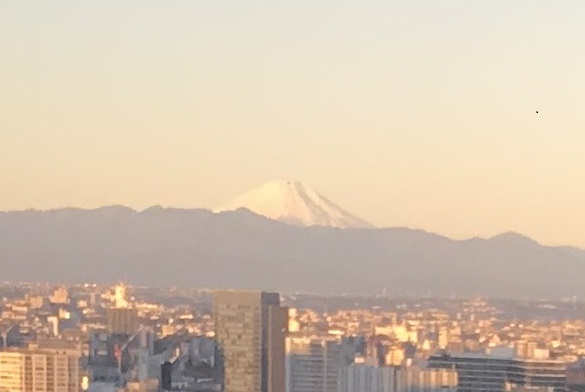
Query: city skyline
[423, 117]
[56, 339]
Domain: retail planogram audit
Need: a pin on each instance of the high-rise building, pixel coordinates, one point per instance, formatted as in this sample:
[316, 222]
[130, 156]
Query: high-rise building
[250, 328]
[166, 376]
[501, 369]
[122, 321]
[122, 318]
[372, 378]
[39, 371]
[312, 364]
[120, 296]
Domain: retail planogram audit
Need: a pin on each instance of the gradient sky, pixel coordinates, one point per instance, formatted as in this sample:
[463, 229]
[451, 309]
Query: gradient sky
[407, 113]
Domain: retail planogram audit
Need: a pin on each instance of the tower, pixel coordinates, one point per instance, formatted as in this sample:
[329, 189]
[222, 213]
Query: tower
[251, 328]
[120, 296]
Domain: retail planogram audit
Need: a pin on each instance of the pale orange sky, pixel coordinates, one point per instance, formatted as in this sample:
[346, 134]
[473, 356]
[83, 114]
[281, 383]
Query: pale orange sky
[407, 113]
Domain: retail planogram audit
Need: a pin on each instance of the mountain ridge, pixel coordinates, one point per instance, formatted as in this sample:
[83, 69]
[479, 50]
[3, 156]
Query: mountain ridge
[240, 249]
[506, 235]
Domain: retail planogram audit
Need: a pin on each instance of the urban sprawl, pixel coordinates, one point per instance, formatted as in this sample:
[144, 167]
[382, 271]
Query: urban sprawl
[114, 339]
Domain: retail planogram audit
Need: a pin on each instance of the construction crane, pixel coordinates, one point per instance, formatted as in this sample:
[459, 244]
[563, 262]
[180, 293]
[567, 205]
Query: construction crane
[119, 350]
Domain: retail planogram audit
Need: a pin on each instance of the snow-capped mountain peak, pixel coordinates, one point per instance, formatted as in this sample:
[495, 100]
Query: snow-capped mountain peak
[295, 203]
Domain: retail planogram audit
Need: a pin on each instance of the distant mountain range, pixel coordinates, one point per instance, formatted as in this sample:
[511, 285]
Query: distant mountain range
[241, 249]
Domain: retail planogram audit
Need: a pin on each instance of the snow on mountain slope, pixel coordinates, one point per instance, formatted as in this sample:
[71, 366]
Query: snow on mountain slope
[295, 203]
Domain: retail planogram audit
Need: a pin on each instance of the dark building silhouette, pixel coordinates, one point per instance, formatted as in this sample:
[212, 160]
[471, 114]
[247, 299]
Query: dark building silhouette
[165, 378]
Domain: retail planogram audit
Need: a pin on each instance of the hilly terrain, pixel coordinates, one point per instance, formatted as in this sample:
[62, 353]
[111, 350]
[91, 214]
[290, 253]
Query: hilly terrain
[241, 249]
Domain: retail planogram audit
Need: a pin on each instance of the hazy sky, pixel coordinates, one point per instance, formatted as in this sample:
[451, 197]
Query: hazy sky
[407, 113]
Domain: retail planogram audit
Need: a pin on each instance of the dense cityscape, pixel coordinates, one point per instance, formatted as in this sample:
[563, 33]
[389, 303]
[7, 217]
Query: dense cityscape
[292, 196]
[124, 338]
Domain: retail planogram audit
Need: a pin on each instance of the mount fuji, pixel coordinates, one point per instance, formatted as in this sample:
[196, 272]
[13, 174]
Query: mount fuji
[295, 203]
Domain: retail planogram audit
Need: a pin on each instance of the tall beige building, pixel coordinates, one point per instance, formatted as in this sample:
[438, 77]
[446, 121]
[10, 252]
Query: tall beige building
[39, 371]
[250, 328]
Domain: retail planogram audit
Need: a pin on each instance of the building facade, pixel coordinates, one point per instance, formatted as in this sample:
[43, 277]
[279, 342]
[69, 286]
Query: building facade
[250, 329]
[122, 321]
[481, 372]
[39, 371]
[312, 364]
[372, 378]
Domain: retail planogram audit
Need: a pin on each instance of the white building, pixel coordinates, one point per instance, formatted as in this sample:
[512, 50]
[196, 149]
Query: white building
[368, 378]
[312, 364]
